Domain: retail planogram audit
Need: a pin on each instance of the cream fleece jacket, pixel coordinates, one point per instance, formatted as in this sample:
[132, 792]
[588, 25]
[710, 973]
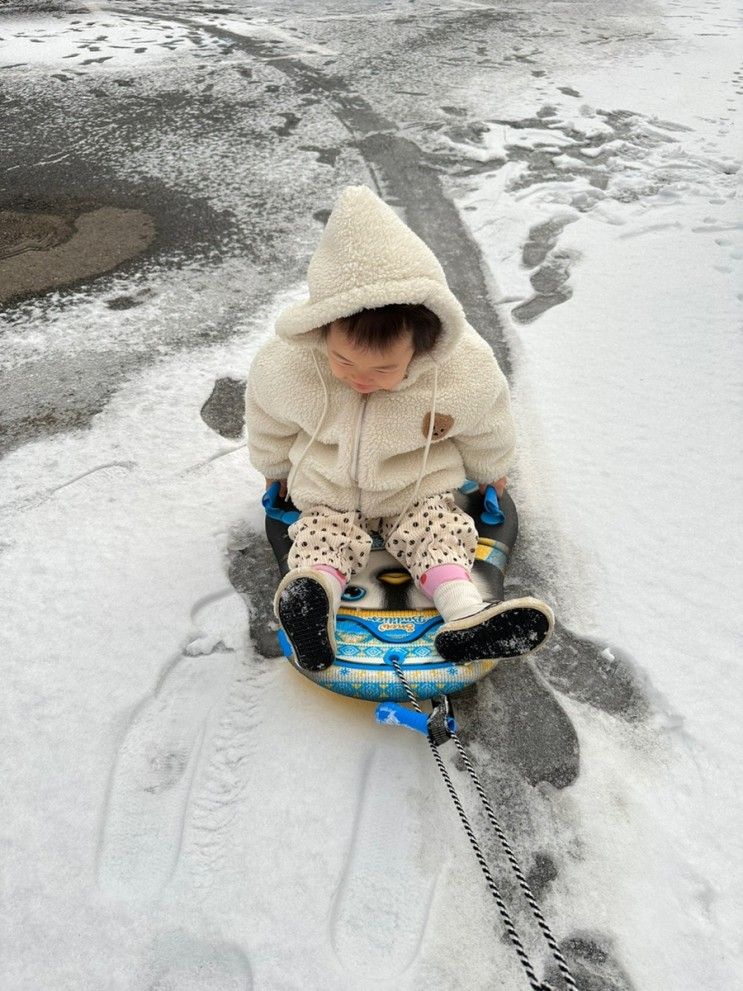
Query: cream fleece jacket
[449, 419]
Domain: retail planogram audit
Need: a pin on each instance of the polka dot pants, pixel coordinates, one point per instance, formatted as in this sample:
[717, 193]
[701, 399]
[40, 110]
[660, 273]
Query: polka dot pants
[432, 531]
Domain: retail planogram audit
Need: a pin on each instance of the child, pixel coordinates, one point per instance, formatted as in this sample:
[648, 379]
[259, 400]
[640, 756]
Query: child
[373, 402]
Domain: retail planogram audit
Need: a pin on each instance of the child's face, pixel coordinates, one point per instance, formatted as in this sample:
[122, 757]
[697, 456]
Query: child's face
[364, 370]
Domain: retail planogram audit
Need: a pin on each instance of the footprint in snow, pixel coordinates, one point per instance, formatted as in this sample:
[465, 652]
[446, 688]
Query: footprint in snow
[150, 789]
[181, 962]
[383, 899]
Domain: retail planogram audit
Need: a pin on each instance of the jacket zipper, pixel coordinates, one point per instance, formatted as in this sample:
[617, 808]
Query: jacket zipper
[359, 429]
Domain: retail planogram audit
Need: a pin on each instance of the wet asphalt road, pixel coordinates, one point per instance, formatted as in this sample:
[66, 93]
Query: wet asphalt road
[236, 149]
[234, 145]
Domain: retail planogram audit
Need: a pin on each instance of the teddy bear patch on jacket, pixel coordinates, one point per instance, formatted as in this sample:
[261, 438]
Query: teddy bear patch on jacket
[442, 424]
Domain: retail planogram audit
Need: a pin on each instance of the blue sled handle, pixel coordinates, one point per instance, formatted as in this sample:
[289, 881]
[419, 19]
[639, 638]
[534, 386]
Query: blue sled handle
[269, 499]
[394, 714]
[492, 513]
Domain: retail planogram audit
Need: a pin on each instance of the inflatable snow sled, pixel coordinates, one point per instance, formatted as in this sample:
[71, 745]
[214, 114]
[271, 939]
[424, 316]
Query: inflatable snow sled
[384, 618]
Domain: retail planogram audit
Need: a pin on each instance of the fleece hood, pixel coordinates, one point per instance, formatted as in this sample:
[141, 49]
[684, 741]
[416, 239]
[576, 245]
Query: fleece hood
[368, 257]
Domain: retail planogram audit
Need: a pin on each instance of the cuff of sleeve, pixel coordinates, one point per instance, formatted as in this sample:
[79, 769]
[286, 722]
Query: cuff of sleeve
[484, 474]
[280, 470]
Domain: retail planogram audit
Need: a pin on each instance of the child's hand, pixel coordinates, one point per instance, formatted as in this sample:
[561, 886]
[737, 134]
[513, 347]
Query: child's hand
[499, 486]
[282, 489]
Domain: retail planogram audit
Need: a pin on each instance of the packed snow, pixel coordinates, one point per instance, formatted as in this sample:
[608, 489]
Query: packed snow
[183, 813]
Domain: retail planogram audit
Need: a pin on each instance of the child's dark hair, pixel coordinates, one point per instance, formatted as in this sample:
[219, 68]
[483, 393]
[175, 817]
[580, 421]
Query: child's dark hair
[377, 328]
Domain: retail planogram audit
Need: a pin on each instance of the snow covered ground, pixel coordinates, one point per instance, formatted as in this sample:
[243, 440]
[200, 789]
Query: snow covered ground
[630, 393]
[181, 813]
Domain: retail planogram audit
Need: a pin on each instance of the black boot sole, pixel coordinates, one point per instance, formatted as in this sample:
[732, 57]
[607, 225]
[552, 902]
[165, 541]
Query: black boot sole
[508, 634]
[304, 611]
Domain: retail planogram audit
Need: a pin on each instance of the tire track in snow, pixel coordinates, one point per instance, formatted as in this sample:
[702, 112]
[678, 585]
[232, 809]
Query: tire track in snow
[226, 776]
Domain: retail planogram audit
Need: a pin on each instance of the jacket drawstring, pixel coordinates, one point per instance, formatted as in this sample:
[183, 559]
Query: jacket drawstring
[326, 403]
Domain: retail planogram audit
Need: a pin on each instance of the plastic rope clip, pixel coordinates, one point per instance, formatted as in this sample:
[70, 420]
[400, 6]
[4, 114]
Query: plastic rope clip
[441, 723]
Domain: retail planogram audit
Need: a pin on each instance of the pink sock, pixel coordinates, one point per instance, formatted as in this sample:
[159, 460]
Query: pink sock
[440, 573]
[338, 575]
